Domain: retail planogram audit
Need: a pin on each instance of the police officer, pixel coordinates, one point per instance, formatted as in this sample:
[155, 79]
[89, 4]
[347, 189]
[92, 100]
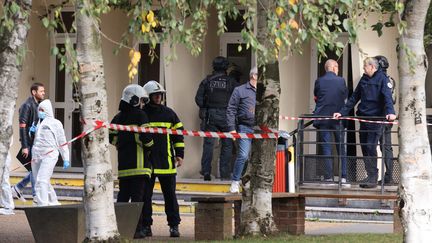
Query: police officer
[167, 154]
[374, 91]
[134, 169]
[212, 98]
[385, 139]
[330, 92]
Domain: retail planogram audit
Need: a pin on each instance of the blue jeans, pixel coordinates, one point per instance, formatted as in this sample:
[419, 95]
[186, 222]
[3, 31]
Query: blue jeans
[26, 180]
[244, 148]
[326, 147]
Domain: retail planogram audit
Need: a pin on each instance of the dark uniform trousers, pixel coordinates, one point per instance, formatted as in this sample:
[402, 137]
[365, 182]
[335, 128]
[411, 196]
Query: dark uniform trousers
[216, 122]
[134, 189]
[369, 136]
[387, 150]
[168, 186]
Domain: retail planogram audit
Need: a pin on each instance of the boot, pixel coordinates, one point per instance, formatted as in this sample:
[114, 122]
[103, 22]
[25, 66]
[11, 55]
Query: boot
[146, 231]
[369, 182]
[174, 231]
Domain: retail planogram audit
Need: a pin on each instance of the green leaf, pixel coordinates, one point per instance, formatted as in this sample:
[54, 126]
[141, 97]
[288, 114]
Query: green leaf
[45, 22]
[14, 8]
[54, 51]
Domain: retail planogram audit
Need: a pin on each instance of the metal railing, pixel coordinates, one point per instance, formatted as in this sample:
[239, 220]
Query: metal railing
[311, 163]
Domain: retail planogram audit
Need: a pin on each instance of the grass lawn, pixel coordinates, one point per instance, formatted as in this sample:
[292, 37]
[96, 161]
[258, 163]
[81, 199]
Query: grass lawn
[348, 238]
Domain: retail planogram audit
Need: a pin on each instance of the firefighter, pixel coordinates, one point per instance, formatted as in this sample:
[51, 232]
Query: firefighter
[167, 154]
[134, 168]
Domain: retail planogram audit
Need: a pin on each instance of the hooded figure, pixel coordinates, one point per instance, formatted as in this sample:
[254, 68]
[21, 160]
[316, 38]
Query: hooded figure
[49, 136]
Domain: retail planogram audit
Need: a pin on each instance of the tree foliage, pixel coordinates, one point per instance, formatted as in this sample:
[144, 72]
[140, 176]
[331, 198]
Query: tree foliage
[291, 23]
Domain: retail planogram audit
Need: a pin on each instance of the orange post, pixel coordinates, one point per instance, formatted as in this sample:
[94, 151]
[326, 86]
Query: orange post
[279, 184]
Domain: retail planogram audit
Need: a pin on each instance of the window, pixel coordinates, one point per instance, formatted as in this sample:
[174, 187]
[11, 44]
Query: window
[68, 18]
[148, 70]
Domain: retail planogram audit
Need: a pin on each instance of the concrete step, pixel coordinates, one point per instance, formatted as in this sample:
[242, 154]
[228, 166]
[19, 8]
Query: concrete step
[77, 192]
[184, 185]
[349, 214]
[69, 189]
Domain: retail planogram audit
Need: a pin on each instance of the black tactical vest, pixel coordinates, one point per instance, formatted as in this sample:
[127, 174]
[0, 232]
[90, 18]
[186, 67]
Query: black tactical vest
[218, 89]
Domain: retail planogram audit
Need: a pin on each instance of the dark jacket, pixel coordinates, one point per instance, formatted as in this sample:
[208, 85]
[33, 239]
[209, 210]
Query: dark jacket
[215, 91]
[330, 93]
[132, 148]
[241, 107]
[166, 147]
[28, 116]
[375, 95]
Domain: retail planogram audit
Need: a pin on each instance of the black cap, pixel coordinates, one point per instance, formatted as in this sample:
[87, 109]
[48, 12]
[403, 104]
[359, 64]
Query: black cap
[220, 63]
[382, 62]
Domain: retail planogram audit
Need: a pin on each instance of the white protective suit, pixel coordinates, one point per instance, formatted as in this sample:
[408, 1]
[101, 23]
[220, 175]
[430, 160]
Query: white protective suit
[6, 199]
[49, 135]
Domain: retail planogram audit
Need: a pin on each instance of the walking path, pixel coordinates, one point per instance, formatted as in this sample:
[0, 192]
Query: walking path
[15, 228]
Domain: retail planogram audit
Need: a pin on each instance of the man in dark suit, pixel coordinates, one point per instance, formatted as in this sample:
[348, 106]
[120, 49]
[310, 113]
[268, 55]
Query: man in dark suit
[330, 93]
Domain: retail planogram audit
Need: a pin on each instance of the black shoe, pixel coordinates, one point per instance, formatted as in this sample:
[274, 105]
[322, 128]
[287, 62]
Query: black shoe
[139, 235]
[386, 182]
[368, 185]
[369, 182]
[146, 231]
[174, 231]
[207, 177]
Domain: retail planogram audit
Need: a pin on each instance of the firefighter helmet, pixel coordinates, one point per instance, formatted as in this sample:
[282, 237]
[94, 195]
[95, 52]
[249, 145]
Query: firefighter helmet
[133, 93]
[152, 87]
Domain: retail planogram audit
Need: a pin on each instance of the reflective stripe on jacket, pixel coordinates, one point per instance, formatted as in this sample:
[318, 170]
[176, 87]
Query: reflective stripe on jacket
[133, 148]
[166, 147]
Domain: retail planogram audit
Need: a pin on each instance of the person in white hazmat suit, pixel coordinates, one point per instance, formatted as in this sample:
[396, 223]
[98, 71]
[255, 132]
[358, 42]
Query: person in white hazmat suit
[6, 199]
[49, 136]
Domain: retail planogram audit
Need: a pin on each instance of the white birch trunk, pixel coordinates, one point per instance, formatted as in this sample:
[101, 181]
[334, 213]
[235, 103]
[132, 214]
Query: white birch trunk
[98, 189]
[256, 212]
[11, 44]
[415, 154]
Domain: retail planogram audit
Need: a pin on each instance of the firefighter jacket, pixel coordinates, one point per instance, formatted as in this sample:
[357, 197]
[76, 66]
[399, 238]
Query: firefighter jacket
[166, 147]
[133, 149]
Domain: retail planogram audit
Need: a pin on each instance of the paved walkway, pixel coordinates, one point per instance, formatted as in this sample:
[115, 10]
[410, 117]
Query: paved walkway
[15, 228]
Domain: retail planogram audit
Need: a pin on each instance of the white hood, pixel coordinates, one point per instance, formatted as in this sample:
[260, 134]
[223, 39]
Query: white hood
[47, 107]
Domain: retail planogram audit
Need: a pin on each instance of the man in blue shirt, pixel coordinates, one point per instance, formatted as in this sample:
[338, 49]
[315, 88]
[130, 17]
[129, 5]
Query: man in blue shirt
[330, 93]
[241, 115]
[374, 91]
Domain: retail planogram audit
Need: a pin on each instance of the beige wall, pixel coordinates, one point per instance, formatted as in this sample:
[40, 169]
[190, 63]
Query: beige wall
[371, 45]
[184, 75]
[295, 84]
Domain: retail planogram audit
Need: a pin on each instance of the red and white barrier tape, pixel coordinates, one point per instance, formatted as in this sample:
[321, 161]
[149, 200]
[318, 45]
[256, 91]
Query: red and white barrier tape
[269, 133]
[340, 118]
[97, 125]
[191, 133]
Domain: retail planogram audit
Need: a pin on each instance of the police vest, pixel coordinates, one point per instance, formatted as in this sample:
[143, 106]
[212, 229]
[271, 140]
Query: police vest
[393, 89]
[218, 89]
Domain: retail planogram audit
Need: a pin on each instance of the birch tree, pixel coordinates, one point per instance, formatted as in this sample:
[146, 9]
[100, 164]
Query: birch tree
[14, 27]
[415, 154]
[98, 175]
